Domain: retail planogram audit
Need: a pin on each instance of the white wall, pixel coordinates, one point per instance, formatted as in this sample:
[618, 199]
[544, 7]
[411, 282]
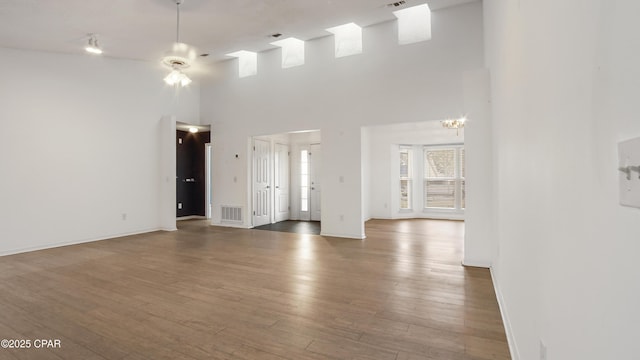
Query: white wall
[366, 164]
[564, 78]
[383, 151]
[80, 147]
[388, 83]
[479, 241]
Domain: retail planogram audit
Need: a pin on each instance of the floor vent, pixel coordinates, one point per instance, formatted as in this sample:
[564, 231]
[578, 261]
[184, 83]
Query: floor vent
[231, 214]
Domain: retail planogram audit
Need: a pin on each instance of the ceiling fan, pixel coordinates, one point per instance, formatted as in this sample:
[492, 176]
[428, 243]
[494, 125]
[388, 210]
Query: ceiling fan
[180, 57]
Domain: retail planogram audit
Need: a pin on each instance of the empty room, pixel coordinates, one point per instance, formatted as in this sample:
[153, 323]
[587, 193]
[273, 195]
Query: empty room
[357, 179]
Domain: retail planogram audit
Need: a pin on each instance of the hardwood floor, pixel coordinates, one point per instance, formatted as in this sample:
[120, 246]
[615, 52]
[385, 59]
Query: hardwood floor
[207, 292]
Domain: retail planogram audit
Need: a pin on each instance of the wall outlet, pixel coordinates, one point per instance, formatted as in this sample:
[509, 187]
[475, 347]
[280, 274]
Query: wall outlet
[179, 206]
[543, 351]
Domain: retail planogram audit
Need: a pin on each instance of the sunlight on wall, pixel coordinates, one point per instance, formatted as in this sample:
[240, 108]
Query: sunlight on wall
[348, 39]
[247, 62]
[414, 24]
[292, 52]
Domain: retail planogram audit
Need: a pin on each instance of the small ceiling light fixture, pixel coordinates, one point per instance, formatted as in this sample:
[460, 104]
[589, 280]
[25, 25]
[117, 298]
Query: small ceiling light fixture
[193, 130]
[179, 58]
[454, 124]
[93, 47]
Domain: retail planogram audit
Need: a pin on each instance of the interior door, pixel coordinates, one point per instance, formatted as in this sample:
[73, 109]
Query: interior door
[281, 182]
[315, 162]
[261, 183]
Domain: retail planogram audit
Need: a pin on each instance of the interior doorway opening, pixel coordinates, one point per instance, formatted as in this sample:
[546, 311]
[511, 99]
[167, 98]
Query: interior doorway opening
[193, 171]
[286, 172]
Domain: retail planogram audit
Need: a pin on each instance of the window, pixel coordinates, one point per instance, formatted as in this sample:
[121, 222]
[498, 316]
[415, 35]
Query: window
[414, 24]
[304, 180]
[292, 52]
[247, 62]
[463, 193]
[444, 177]
[405, 178]
[348, 39]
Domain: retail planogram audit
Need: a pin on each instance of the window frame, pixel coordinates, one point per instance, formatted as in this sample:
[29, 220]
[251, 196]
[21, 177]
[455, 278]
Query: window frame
[409, 178]
[458, 179]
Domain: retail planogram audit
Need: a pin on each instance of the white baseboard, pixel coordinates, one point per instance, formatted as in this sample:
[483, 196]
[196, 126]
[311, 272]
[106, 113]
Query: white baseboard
[346, 236]
[410, 216]
[476, 263]
[513, 348]
[77, 242]
[232, 225]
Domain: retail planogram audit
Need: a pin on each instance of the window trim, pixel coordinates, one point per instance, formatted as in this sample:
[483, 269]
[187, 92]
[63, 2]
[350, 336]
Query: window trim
[410, 178]
[457, 178]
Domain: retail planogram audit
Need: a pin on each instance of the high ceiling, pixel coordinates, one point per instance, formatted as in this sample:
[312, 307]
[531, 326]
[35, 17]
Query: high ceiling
[145, 29]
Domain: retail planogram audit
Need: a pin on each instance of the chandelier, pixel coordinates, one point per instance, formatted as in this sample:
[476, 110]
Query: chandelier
[454, 124]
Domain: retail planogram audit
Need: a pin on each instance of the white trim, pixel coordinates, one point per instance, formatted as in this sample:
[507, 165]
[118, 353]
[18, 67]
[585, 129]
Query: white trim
[435, 216]
[513, 348]
[231, 225]
[347, 236]
[69, 243]
[476, 263]
[191, 217]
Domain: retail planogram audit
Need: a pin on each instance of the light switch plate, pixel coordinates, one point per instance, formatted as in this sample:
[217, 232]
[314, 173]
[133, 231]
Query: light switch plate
[629, 158]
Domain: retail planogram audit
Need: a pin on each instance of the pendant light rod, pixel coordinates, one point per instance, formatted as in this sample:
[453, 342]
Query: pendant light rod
[178, 2]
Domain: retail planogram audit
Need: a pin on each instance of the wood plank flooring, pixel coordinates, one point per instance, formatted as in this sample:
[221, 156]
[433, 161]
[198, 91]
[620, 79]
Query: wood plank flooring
[207, 292]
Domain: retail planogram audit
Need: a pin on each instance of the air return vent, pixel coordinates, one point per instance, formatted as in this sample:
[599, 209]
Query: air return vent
[232, 214]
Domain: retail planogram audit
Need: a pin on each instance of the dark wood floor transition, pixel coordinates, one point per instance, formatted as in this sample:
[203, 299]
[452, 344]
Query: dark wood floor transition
[293, 226]
[207, 292]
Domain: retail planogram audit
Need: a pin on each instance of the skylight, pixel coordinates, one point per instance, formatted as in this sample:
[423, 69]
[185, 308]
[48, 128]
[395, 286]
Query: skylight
[247, 62]
[414, 24]
[292, 52]
[348, 39]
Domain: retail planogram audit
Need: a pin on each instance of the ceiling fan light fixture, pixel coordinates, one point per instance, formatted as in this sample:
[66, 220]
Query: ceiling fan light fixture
[93, 47]
[180, 57]
[177, 78]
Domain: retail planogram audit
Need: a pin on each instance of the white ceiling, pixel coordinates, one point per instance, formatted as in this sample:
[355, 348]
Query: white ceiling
[145, 29]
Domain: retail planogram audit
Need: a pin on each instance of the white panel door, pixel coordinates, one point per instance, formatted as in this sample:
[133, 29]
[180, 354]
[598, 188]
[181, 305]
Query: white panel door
[315, 159]
[281, 182]
[261, 183]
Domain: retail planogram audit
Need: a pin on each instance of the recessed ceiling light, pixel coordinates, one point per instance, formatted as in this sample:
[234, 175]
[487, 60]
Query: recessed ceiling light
[204, 55]
[193, 130]
[276, 35]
